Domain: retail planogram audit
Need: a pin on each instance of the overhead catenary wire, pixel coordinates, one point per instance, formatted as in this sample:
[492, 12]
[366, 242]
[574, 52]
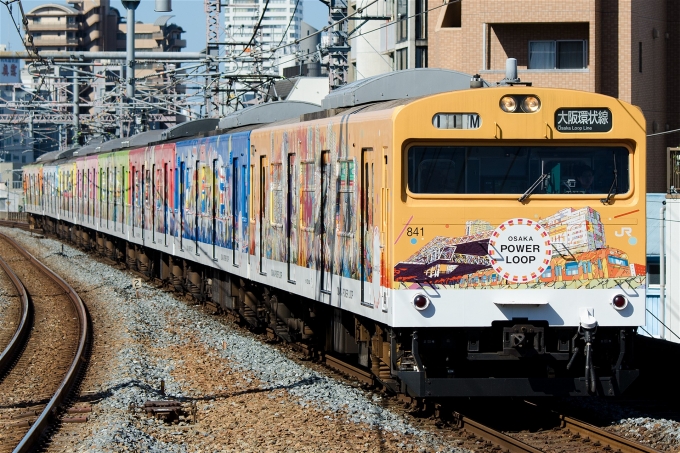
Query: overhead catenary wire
[257, 27]
[391, 23]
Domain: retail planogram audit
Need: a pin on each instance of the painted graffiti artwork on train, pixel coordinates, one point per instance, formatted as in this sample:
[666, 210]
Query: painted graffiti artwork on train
[572, 253]
[437, 236]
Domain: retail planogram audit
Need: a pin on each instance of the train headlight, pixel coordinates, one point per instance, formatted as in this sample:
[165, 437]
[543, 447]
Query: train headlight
[421, 302]
[508, 104]
[619, 302]
[531, 104]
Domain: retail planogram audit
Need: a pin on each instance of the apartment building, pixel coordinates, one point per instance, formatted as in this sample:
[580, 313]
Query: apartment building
[93, 25]
[281, 25]
[396, 40]
[81, 25]
[622, 48]
[161, 36]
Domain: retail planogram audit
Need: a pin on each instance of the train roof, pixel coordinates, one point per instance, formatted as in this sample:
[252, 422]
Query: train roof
[186, 129]
[267, 113]
[404, 84]
[381, 92]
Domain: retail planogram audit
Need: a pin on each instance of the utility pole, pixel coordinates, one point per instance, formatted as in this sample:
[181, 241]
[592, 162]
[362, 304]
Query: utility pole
[339, 47]
[131, 6]
[76, 109]
[212, 34]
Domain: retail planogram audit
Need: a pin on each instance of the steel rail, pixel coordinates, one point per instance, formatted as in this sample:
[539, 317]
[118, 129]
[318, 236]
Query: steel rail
[18, 340]
[15, 224]
[605, 438]
[504, 441]
[350, 370]
[35, 432]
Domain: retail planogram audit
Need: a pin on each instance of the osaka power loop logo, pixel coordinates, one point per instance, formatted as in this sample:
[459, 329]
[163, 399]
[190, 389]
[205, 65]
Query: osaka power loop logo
[519, 250]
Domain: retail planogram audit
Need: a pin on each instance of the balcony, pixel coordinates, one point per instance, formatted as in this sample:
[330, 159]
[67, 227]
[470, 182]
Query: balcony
[49, 41]
[52, 26]
[93, 19]
[177, 43]
[158, 35]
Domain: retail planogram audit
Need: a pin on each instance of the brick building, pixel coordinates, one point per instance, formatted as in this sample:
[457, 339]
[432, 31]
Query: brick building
[628, 49]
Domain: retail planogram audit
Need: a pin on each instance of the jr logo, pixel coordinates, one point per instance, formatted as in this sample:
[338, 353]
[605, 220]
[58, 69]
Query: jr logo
[624, 231]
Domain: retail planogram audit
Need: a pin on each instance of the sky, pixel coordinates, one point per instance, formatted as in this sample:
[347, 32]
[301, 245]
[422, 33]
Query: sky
[188, 14]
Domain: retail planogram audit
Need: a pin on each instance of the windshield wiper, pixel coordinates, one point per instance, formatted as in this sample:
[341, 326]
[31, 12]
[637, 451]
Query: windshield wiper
[612, 189]
[531, 189]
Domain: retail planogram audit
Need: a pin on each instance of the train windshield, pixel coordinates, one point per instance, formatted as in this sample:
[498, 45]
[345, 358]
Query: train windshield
[513, 169]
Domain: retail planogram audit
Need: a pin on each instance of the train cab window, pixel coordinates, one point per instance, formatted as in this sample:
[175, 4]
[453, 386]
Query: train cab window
[513, 169]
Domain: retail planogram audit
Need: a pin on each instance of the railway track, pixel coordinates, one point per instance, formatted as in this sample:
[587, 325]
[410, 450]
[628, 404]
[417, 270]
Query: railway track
[16, 320]
[15, 224]
[42, 366]
[566, 434]
[570, 435]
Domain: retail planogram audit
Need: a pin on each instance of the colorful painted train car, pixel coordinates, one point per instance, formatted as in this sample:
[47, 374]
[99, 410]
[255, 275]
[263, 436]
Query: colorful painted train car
[452, 241]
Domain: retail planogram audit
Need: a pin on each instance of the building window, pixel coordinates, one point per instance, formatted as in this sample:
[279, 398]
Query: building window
[653, 273]
[452, 15]
[421, 20]
[402, 20]
[402, 59]
[558, 54]
[640, 56]
[421, 57]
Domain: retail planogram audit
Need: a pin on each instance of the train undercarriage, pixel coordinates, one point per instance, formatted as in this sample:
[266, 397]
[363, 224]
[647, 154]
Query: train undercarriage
[511, 358]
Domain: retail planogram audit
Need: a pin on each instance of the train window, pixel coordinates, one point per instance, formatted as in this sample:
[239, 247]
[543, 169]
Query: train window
[278, 202]
[307, 195]
[513, 169]
[345, 208]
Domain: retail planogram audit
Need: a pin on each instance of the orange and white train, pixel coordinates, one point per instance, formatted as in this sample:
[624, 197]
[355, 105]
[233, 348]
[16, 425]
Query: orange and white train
[453, 241]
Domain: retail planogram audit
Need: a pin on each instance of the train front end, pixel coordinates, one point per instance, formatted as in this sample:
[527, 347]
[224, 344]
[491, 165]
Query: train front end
[518, 243]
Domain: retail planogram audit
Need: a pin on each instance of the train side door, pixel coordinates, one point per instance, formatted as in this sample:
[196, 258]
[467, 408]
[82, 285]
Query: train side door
[114, 192]
[165, 203]
[367, 222]
[325, 223]
[197, 206]
[100, 199]
[125, 183]
[292, 204]
[213, 214]
[235, 212]
[182, 201]
[144, 199]
[263, 210]
[133, 198]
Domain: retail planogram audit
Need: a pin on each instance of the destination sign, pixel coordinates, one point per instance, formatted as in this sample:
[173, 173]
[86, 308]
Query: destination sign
[519, 250]
[579, 119]
[457, 121]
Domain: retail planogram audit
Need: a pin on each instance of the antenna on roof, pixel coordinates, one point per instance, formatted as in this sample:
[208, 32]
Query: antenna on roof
[511, 74]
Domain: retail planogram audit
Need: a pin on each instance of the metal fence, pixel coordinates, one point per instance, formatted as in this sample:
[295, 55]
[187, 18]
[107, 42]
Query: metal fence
[14, 216]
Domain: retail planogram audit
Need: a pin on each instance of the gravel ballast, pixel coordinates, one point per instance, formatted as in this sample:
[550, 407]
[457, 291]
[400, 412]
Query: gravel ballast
[248, 395]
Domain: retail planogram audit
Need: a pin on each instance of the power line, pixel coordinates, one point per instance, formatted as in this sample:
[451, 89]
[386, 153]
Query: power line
[364, 33]
[257, 27]
[663, 133]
